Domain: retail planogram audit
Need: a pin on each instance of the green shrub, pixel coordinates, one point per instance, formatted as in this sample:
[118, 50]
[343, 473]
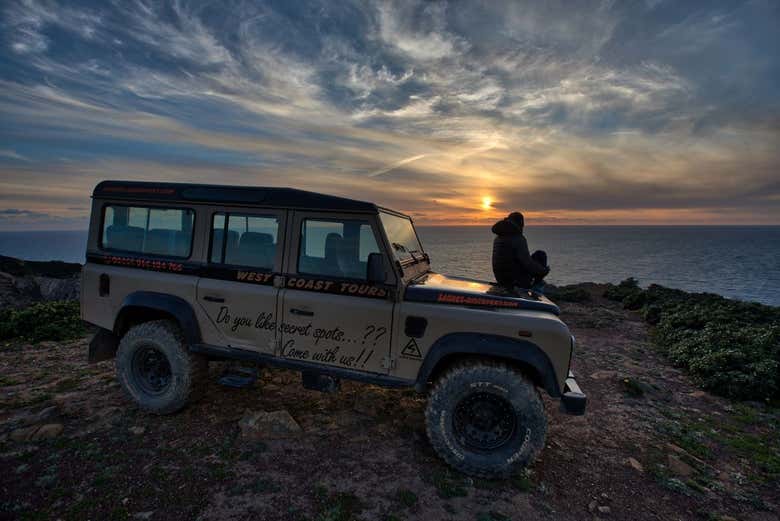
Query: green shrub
[42, 321]
[730, 348]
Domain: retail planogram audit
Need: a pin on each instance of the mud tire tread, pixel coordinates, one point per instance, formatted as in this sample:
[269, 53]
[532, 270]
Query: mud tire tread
[525, 399]
[190, 369]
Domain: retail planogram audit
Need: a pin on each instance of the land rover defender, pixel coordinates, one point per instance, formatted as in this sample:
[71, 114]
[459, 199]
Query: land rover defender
[177, 275]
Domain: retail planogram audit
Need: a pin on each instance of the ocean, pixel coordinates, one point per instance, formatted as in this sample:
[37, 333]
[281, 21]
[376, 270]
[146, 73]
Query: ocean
[740, 262]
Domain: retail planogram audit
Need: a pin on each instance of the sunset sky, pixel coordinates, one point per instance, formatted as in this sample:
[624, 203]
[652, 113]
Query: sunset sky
[654, 111]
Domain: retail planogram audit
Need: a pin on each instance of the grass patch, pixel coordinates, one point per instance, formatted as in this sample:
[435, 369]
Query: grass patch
[406, 497]
[341, 506]
[447, 484]
[56, 321]
[68, 384]
[633, 388]
[492, 516]
[522, 481]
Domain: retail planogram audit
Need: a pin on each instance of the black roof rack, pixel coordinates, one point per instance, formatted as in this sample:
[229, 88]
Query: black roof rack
[226, 194]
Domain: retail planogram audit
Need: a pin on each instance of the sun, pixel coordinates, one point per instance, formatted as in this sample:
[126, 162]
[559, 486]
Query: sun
[487, 202]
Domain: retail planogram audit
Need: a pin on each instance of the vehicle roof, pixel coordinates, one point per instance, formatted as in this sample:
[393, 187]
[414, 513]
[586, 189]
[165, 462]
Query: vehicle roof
[231, 194]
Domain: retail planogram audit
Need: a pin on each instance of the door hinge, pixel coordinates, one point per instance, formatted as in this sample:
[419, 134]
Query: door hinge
[388, 362]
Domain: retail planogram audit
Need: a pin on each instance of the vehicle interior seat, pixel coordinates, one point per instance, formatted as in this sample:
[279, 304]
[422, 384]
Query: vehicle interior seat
[124, 237]
[166, 242]
[255, 249]
[216, 245]
[334, 256]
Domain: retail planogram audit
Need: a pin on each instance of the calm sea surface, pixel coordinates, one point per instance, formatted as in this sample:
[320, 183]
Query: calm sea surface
[734, 261]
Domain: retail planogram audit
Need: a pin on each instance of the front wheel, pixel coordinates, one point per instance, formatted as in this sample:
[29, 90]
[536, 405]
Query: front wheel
[156, 370]
[486, 419]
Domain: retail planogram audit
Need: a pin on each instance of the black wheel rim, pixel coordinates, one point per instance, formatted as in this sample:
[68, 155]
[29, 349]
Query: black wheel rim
[484, 421]
[151, 370]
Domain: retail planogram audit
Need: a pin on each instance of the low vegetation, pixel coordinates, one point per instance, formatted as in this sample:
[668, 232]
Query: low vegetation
[42, 321]
[729, 347]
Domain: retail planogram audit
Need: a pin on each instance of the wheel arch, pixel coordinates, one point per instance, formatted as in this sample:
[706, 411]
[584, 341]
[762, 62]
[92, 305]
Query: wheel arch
[522, 354]
[144, 306]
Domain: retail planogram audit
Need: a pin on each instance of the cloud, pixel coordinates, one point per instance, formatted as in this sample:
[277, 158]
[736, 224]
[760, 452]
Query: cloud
[562, 109]
[12, 154]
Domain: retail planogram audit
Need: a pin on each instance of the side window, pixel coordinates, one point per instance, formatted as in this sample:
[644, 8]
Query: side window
[154, 231]
[244, 240]
[336, 248]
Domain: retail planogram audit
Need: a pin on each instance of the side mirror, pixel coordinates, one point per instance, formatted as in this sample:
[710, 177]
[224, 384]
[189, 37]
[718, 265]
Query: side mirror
[376, 268]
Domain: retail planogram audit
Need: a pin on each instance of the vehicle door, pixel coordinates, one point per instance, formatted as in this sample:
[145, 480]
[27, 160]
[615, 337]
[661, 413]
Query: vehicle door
[237, 287]
[331, 314]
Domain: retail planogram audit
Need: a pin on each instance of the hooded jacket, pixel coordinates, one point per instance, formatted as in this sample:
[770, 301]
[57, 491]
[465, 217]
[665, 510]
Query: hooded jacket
[512, 262]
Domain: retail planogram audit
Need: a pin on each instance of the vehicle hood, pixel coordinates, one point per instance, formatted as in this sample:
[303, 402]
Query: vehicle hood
[458, 291]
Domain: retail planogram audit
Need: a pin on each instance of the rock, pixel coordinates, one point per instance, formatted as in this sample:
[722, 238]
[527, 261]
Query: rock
[603, 375]
[605, 510]
[367, 403]
[48, 431]
[634, 464]
[682, 452]
[138, 430]
[46, 480]
[592, 506]
[679, 467]
[23, 434]
[43, 416]
[143, 515]
[264, 425]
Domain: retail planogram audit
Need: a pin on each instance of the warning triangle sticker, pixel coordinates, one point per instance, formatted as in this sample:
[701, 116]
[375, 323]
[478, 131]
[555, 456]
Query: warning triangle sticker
[411, 350]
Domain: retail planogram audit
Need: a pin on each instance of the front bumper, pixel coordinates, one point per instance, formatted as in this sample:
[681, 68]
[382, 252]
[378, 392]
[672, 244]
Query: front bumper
[573, 400]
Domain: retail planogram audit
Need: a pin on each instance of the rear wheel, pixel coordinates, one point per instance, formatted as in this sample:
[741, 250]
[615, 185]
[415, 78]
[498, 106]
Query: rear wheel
[486, 419]
[156, 370]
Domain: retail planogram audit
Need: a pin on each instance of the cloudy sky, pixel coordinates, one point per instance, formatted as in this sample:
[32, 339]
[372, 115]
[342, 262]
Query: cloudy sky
[656, 111]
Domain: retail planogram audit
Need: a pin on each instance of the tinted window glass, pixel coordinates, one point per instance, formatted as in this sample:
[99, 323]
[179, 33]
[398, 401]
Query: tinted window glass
[336, 248]
[400, 232]
[155, 231]
[245, 240]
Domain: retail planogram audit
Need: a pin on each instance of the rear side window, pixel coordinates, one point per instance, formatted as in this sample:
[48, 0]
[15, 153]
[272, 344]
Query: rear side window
[336, 248]
[244, 240]
[148, 230]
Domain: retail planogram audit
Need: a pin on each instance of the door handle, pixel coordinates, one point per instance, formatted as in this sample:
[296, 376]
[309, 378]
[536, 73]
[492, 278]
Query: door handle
[211, 298]
[302, 312]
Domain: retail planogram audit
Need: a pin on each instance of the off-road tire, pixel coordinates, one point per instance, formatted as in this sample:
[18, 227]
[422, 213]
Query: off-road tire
[503, 384]
[188, 371]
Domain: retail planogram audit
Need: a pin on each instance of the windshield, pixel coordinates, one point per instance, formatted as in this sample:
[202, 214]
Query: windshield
[402, 237]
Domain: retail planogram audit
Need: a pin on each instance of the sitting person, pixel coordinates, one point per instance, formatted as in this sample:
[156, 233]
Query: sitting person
[513, 265]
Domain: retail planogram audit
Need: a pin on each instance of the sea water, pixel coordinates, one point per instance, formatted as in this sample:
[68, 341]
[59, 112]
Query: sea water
[735, 261]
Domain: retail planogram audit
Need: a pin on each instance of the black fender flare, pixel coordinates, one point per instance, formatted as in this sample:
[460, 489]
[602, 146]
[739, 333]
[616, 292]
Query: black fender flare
[172, 305]
[495, 346]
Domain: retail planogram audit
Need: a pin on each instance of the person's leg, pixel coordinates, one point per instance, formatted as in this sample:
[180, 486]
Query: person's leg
[538, 287]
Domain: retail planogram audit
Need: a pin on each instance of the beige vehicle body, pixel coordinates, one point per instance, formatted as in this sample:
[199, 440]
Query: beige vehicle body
[325, 285]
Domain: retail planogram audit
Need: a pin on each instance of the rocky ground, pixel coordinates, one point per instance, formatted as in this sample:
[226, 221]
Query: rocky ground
[651, 446]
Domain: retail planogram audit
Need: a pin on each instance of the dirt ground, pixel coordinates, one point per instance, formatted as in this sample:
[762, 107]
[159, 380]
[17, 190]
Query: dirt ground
[651, 446]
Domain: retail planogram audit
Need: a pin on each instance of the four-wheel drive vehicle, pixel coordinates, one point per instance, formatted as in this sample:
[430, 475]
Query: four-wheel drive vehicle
[179, 274]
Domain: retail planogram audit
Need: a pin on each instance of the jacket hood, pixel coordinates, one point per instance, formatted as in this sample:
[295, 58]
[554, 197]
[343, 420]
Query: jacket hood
[505, 227]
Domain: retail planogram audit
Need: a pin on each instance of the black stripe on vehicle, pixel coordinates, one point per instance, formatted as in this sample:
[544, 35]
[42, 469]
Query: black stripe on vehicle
[334, 286]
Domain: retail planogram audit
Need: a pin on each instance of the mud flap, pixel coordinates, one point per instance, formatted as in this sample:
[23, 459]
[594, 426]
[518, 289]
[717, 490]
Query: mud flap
[573, 400]
[103, 346]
